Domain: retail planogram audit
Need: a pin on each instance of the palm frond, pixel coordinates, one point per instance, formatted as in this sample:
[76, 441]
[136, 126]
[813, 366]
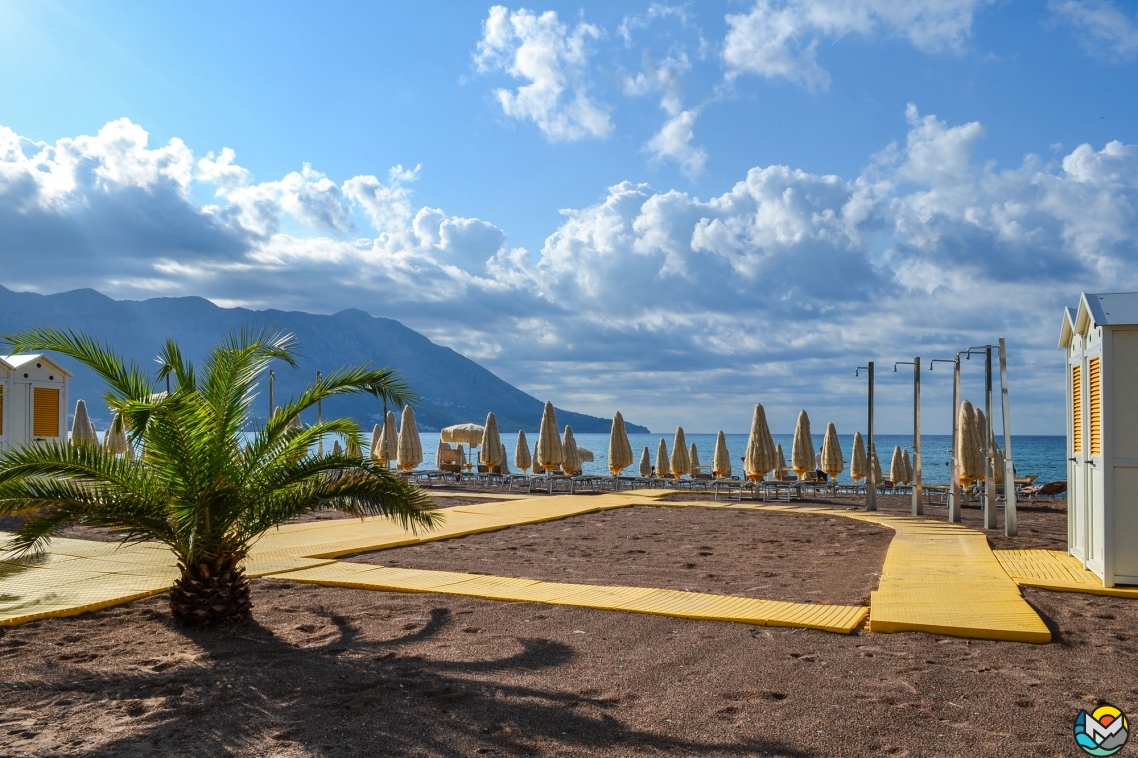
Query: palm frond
[126, 380]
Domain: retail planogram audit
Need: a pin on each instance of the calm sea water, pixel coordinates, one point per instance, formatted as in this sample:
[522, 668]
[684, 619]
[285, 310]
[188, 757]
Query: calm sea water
[1044, 456]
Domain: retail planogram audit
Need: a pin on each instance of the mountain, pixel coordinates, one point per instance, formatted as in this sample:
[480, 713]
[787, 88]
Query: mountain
[453, 388]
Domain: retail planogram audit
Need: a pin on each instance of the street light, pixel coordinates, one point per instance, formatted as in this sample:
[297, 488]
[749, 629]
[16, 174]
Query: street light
[918, 504]
[870, 478]
[955, 493]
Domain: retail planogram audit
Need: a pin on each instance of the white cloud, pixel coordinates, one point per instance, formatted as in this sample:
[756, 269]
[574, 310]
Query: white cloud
[765, 288]
[779, 38]
[553, 59]
[1104, 28]
[674, 142]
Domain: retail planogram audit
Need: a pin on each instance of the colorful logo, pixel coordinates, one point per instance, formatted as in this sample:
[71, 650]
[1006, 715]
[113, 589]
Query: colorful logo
[1102, 732]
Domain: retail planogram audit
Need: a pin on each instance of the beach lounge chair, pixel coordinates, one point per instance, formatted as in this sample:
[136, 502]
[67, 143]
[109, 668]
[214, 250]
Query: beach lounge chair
[1049, 490]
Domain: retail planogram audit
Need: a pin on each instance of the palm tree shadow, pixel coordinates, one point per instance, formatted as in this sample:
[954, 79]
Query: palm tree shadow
[352, 696]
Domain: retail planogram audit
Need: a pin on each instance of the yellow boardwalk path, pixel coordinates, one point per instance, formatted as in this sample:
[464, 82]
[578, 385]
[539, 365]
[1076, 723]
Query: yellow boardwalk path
[937, 577]
[1055, 570]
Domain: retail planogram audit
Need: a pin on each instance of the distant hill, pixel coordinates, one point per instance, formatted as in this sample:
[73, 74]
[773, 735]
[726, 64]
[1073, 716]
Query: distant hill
[453, 388]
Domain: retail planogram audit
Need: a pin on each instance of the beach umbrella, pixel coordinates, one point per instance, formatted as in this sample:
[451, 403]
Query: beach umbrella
[442, 448]
[693, 461]
[537, 468]
[410, 452]
[463, 434]
[493, 451]
[721, 459]
[645, 463]
[114, 439]
[620, 452]
[570, 459]
[780, 464]
[94, 434]
[998, 463]
[522, 457]
[969, 460]
[908, 467]
[832, 461]
[760, 457]
[352, 449]
[549, 451]
[982, 439]
[662, 467]
[802, 456]
[377, 444]
[81, 434]
[585, 454]
[680, 463]
[874, 461]
[858, 464]
[897, 466]
[336, 449]
[389, 445]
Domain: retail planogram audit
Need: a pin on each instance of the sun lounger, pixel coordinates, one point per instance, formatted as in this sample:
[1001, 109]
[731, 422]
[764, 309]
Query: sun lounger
[1049, 490]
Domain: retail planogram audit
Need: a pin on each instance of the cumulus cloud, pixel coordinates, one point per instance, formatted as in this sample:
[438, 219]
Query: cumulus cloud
[552, 58]
[1104, 29]
[754, 293]
[779, 38]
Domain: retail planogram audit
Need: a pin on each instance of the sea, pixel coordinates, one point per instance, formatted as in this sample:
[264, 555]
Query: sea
[1044, 456]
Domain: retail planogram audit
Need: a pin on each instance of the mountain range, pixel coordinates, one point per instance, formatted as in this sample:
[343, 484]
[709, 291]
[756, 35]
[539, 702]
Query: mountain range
[453, 389]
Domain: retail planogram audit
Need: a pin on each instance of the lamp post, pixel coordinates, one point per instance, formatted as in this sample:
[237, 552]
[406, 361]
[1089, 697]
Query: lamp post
[319, 420]
[955, 493]
[918, 504]
[272, 381]
[870, 478]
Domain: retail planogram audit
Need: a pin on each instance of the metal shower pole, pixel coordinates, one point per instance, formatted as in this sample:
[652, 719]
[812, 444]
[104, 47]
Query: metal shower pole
[989, 441]
[918, 504]
[272, 380]
[319, 420]
[1010, 526]
[870, 479]
[955, 493]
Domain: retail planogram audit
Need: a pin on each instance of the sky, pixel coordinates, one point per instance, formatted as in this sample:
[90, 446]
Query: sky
[672, 210]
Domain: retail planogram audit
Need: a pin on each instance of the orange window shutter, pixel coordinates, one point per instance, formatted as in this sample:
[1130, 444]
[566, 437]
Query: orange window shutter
[1095, 389]
[1077, 408]
[45, 412]
[1, 409]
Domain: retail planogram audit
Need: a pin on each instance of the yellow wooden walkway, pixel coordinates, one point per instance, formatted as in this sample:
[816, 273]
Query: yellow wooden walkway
[1055, 570]
[937, 577]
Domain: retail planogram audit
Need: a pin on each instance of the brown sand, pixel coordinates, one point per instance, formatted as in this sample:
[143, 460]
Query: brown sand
[334, 672]
[729, 552]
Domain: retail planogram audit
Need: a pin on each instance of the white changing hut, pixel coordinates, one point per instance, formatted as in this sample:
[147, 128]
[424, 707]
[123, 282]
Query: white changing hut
[33, 400]
[1101, 340]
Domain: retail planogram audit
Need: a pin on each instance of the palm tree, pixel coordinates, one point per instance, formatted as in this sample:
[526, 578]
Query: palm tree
[202, 486]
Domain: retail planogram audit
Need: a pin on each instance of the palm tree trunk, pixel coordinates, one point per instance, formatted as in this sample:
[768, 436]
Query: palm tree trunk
[204, 596]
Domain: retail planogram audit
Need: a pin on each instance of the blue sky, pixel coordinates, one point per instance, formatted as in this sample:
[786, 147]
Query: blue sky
[675, 210]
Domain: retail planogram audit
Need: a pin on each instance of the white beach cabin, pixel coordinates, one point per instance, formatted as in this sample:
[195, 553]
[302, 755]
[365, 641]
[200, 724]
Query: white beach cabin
[1101, 340]
[33, 400]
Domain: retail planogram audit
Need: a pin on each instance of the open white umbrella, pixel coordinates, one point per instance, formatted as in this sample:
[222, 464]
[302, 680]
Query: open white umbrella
[760, 458]
[410, 446]
[81, 435]
[803, 459]
[897, 466]
[493, 451]
[969, 460]
[620, 451]
[645, 464]
[721, 459]
[662, 467]
[522, 457]
[693, 461]
[680, 464]
[908, 467]
[570, 460]
[859, 464]
[463, 434]
[832, 461]
[549, 451]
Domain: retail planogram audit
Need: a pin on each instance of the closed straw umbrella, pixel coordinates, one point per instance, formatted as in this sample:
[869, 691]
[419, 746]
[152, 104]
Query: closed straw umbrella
[549, 451]
[570, 460]
[721, 459]
[377, 444]
[442, 448]
[522, 457]
[352, 449]
[969, 461]
[780, 465]
[802, 455]
[908, 467]
[897, 466]
[693, 461]
[832, 461]
[493, 451]
[115, 442]
[336, 449]
[859, 468]
[537, 467]
[998, 463]
[878, 477]
[410, 452]
[94, 434]
[81, 427]
[645, 463]
[662, 467]
[585, 455]
[680, 463]
[620, 452]
[761, 456]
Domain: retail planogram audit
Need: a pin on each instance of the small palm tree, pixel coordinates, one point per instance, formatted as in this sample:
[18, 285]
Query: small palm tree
[207, 484]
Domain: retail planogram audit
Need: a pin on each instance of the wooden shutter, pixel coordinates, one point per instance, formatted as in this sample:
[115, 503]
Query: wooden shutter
[1, 409]
[1095, 388]
[45, 412]
[1077, 408]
